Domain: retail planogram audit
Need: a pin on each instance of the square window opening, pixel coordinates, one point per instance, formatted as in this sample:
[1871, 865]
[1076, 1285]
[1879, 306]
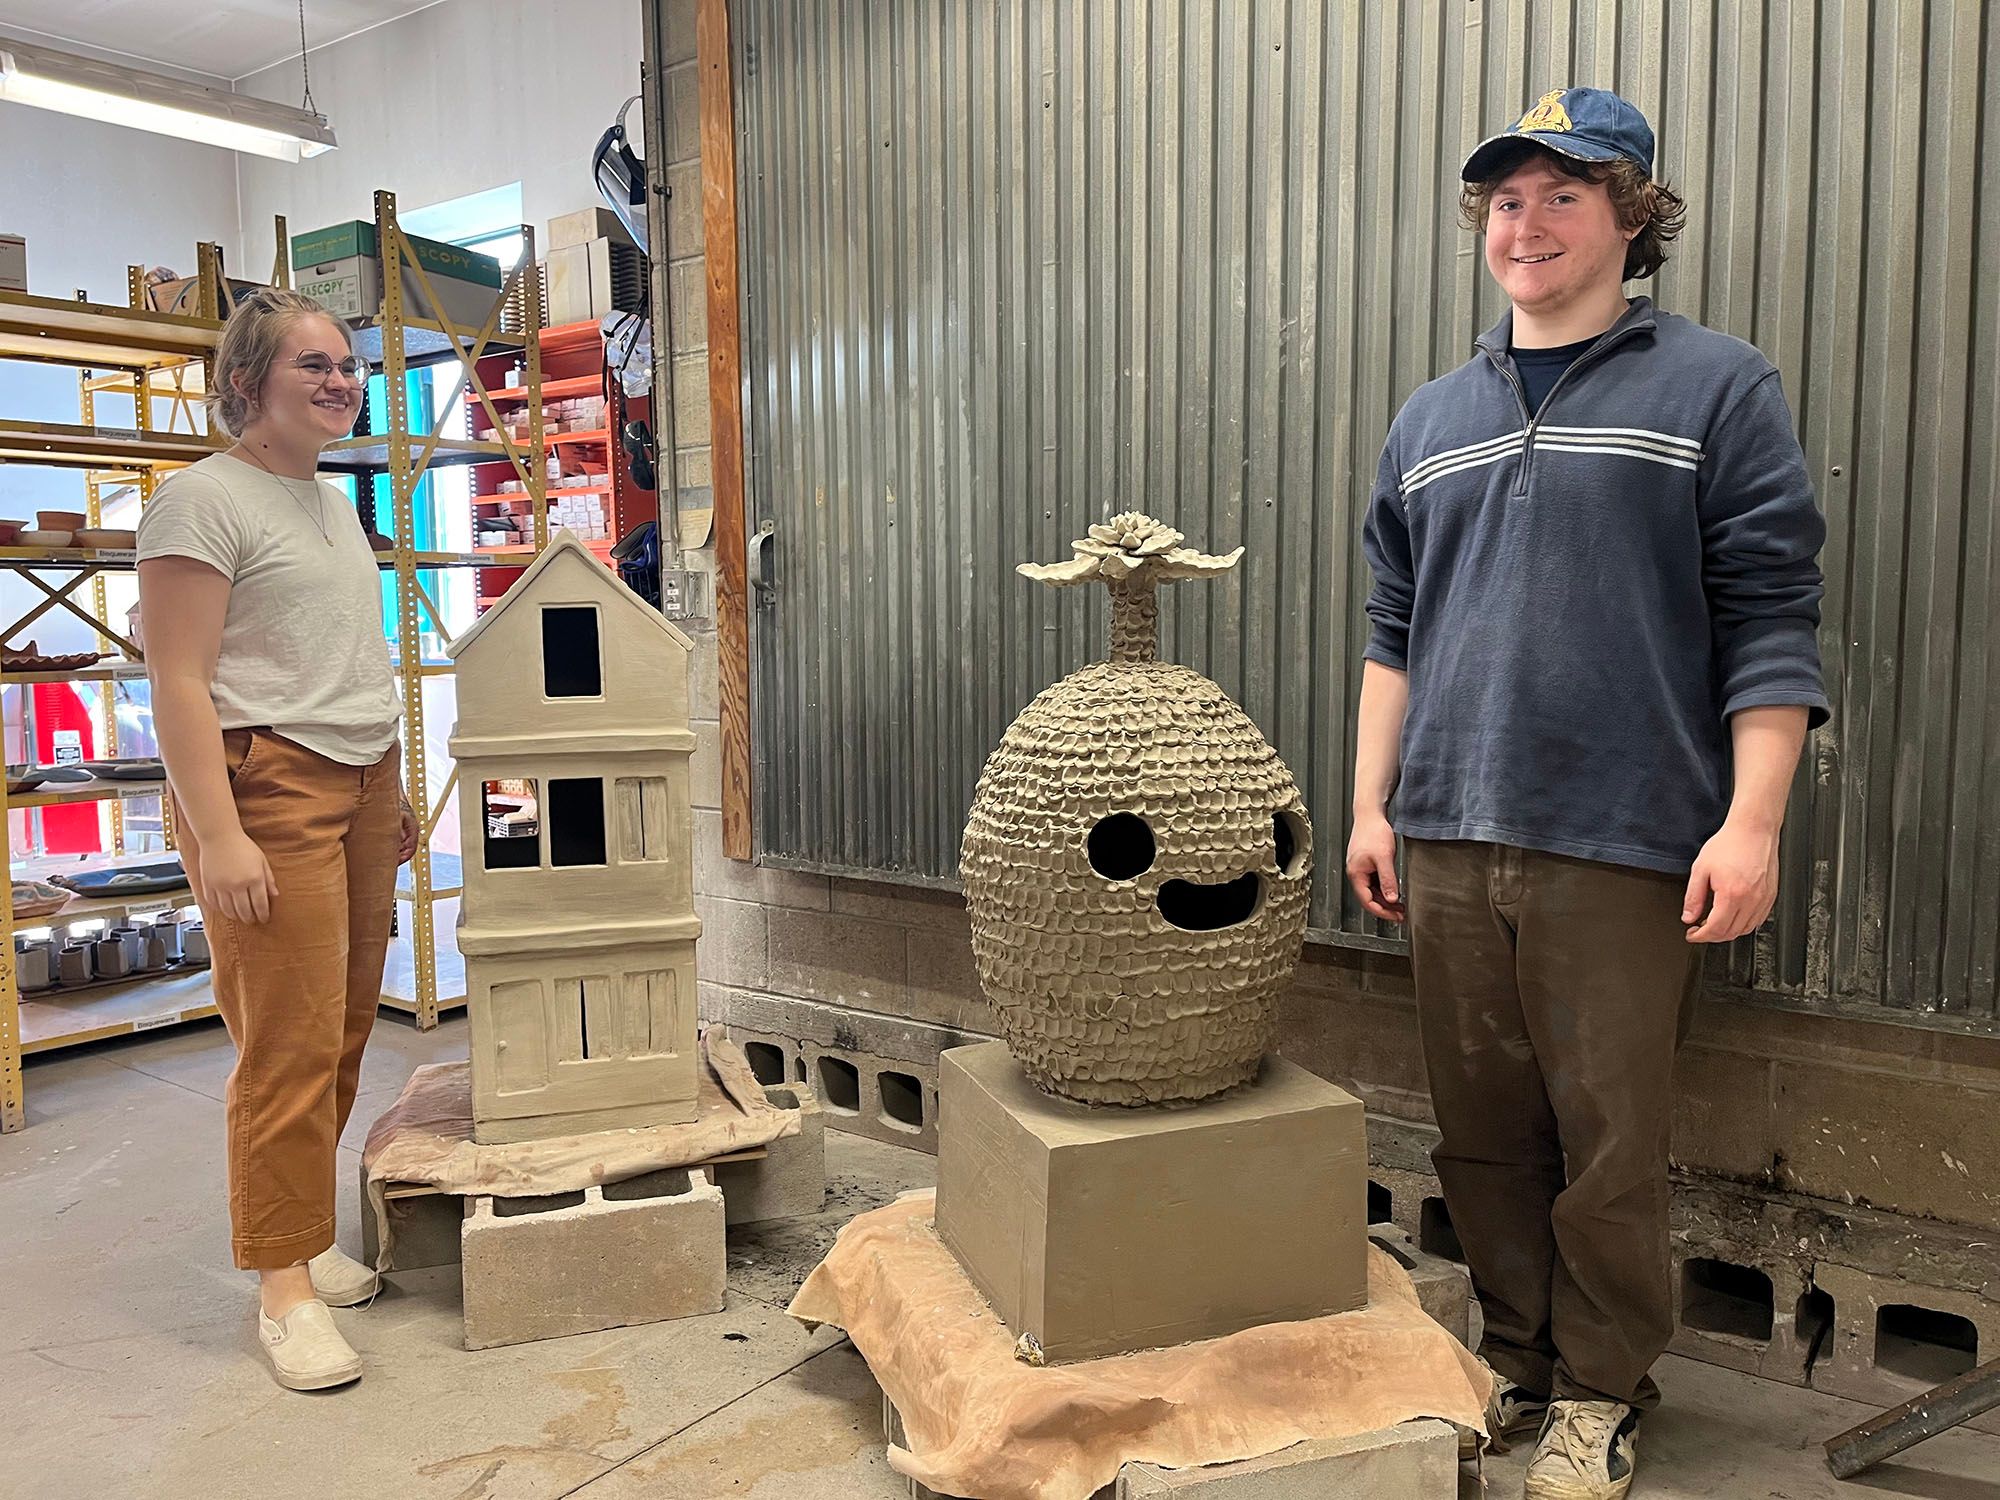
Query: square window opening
[512, 815]
[576, 822]
[572, 658]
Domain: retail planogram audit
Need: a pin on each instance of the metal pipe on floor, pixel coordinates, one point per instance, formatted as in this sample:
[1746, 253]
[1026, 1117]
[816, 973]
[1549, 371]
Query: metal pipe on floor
[1938, 1410]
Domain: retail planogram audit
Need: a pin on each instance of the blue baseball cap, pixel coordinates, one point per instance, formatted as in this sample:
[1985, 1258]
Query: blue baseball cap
[1588, 124]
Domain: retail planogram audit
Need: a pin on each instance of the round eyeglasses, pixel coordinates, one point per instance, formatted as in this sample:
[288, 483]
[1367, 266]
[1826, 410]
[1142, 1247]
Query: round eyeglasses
[319, 368]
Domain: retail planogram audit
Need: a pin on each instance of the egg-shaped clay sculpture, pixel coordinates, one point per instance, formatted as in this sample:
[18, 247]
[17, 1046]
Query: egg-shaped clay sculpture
[1138, 861]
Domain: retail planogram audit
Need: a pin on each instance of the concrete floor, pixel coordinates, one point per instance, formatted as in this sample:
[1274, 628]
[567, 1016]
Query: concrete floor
[128, 1367]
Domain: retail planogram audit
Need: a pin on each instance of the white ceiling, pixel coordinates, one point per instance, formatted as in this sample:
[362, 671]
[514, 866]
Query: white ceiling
[227, 41]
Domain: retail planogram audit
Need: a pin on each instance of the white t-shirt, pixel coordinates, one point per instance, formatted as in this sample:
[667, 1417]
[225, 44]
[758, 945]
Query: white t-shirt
[302, 646]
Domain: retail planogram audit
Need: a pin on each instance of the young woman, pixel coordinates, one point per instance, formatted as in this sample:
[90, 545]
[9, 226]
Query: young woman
[275, 708]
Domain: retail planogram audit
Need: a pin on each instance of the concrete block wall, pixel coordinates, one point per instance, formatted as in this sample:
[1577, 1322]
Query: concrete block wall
[687, 283]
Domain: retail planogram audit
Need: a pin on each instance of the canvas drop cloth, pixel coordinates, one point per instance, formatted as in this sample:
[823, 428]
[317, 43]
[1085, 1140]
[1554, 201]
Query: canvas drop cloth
[426, 1136]
[980, 1422]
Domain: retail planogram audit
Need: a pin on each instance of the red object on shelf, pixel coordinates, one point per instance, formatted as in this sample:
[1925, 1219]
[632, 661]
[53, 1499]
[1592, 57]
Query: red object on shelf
[71, 828]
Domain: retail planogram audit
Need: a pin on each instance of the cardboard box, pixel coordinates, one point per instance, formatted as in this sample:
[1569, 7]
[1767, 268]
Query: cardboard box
[13, 263]
[585, 225]
[340, 266]
[592, 280]
[1099, 1231]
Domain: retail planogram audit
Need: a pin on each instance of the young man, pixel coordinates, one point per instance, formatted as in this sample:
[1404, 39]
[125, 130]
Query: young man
[1592, 670]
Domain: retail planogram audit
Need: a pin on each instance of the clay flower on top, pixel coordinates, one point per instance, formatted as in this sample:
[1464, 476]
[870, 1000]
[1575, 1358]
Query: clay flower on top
[1130, 546]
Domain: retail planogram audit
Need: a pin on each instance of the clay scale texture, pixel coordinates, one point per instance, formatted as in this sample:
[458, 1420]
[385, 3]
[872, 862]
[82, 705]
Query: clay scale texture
[1138, 860]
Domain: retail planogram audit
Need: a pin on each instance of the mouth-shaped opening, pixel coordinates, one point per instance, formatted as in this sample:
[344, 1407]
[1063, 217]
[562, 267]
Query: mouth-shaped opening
[1540, 257]
[1194, 907]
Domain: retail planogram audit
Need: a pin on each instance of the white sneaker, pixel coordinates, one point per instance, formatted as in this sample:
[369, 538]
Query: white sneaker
[1512, 1412]
[306, 1350]
[340, 1279]
[1585, 1452]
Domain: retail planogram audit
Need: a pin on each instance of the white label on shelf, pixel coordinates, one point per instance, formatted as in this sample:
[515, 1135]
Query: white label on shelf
[117, 554]
[67, 745]
[153, 1023]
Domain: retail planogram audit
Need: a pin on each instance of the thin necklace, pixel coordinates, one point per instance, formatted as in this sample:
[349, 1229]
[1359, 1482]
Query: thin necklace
[318, 519]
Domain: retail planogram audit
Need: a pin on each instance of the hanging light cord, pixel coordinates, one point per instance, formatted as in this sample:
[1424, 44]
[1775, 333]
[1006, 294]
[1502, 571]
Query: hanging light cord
[305, 68]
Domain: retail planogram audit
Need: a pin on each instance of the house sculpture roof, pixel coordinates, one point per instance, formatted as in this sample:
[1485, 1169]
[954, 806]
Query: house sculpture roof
[608, 585]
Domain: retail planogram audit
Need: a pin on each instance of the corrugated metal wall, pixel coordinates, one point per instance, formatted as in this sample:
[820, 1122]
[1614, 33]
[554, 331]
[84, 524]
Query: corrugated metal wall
[1010, 267]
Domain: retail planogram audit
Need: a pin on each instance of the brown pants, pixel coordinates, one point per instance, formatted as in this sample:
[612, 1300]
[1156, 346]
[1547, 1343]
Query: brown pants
[1552, 994]
[299, 992]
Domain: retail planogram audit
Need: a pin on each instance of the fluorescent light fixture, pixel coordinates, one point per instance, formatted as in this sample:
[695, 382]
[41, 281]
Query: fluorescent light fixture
[48, 79]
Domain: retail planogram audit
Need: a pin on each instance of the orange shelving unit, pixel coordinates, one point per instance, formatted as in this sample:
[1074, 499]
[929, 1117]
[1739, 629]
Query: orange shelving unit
[590, 464]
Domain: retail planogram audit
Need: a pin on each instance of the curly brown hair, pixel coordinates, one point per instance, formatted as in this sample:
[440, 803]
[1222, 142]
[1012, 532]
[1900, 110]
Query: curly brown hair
[1640, 201]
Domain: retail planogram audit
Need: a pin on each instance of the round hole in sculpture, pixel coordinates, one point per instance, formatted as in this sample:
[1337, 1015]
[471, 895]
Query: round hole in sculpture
[1194, 907]
[1121, 846]
[1294, 841]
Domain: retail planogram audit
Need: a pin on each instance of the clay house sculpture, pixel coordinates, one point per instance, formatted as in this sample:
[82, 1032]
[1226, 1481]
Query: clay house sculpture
[577, 919]
[1138, 860]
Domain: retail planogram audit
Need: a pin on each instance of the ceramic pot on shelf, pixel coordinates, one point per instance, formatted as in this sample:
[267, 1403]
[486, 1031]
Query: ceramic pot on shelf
[31, 966]
[194, 943]
[74, 966]
[110, 957]
[133, 940]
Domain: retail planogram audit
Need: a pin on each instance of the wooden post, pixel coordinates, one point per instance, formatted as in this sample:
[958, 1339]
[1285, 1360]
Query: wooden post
[725, 404]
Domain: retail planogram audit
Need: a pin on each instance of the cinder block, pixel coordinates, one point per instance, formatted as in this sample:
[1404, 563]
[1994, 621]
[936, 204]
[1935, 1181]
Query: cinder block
[734, 947]
[1917, 1146]
[705, 766]
[425, 1230]
[638, 1251]
[839, 959]
[789, 1182]
[1725, 1315]
[1881, 1365]
[1414, 1461]
[881, 1080]
[773, 1059]
[1443, 1287]
[715, 874]
[885, 1099]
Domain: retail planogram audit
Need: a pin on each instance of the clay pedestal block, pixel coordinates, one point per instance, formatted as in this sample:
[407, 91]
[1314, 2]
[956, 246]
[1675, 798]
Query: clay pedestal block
[1100, 1231]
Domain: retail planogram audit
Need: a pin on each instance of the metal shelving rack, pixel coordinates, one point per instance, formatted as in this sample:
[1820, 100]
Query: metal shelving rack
[397, 342]
[121, 351]
[118, 350]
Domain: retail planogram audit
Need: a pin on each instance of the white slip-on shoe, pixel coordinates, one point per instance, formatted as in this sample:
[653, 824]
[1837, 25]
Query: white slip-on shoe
[340, 1279]
[307, 1351]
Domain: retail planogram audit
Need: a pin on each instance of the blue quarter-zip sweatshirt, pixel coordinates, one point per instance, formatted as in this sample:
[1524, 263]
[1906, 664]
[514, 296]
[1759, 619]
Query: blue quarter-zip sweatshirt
[1582, 595]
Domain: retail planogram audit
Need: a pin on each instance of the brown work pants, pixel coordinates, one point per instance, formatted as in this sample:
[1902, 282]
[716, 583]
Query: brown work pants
[1552, 994]
[299, 992]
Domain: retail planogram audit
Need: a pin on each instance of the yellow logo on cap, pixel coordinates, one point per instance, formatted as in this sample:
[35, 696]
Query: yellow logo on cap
[1548, 114]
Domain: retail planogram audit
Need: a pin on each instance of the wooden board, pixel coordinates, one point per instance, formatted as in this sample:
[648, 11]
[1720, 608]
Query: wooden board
[725, 399]
[62, 331]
